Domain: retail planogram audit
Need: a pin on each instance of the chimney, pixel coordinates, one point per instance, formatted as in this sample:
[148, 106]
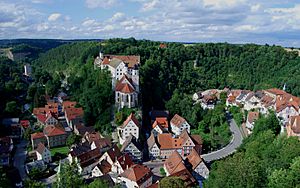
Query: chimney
[127, 166]
[123, 157]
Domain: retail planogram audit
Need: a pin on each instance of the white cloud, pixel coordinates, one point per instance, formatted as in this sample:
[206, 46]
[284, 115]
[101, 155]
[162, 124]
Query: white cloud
[53, 17]
[100, 3]
[119, 16]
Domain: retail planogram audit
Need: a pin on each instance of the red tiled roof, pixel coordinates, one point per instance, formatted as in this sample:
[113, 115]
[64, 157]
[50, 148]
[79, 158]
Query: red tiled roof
[42, 118]
[104, 167]
[194, 158]
[174, 163]
[166, 141]
[252, 116]
[187, 177]
[131, 117]
[89, 157]
[162, 121]
[51, 130]
[73, 113]
[276, 91]
[114, 152]
[125, 85]
[37, 135]
[129, 59]
[177, 120]
[137, 173]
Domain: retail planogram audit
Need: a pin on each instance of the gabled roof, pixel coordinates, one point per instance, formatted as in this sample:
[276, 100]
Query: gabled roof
[115, 60]
[114, 153]
[161, 121]
[51, 130]
[133, 140]
[151, 141]
[125, 161]
[131, 117]
[174, 163]
[73, 113]
[69, 104]
[88, 158]
[104, 167]
[93, 136]
[80, 149]
[194, 158]
[125, 85]
[177, 120]
[137, 173]
[103, 143]
[252, 116]
[37, 135]
[40, 148]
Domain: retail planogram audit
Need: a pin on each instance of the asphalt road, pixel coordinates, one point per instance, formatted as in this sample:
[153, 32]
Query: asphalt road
[231, 147]
[20, 158]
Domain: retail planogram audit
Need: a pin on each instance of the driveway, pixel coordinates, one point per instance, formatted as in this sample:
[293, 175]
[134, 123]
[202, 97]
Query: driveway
[20, 158]
[231, 147]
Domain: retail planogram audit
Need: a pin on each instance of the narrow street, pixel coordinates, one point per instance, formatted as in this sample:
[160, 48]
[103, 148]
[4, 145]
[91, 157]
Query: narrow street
[20, 158]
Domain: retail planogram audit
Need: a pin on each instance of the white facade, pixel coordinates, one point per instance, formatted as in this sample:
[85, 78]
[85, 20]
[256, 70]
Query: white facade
[202, 170]
[157, 130]
[154, 151]
[286, 113]
[130, 129]
[134, 152]
[177, 130]
[132, 184]
[129, 100]
[252, 103]
[96, 172]
[45, 156]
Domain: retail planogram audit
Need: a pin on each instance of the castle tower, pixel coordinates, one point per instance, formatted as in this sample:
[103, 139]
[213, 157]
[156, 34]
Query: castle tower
[101, 55]
[135, 78]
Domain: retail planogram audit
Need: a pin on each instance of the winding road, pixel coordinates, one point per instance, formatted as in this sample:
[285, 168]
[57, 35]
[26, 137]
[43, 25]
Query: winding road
[20, 158]
[236, 141]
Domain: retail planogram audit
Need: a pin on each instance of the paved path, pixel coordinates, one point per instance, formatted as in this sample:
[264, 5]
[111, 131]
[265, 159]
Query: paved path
[231, 147]
[20, 158]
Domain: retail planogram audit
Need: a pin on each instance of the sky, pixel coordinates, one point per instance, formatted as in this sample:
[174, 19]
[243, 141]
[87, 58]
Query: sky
[233, 21]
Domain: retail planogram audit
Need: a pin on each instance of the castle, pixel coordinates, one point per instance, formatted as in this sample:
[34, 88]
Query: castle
[125, 77]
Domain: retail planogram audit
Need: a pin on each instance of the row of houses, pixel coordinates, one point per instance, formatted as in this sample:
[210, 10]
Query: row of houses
[285, 106]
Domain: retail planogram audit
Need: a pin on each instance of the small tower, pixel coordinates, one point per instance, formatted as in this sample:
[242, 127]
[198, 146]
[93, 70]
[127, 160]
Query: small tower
[284, 87]
[101, 55]
[135, 77]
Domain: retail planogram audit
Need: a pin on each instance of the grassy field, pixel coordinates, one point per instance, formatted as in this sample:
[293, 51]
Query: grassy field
[62, 150]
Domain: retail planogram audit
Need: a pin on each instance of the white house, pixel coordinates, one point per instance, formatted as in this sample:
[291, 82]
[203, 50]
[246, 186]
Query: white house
[253, 100]
[293, 126]
[136, 176]
[178, 124]
[153, 148]
[132, 147]
[43, 153]
[251, 118]
[129, 127]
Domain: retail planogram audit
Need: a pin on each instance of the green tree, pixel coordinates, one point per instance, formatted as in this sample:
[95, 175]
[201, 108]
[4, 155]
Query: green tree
[97, 183]
[72, 139]
[33, 184]
[162, 171]
[68, 176]
[171, 182]
[11, 107]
